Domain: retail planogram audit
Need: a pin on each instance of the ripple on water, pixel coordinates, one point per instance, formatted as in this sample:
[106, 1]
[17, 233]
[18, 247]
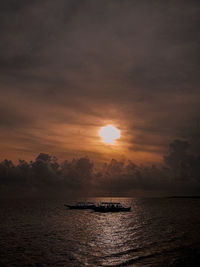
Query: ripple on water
[44, 233]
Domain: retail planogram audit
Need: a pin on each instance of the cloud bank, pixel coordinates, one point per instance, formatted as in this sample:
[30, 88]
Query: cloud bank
[45, 177]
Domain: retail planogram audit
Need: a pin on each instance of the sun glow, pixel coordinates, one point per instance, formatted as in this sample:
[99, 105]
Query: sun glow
[109, 134]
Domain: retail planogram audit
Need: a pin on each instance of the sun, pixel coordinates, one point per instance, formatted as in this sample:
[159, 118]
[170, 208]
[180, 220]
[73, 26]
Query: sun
[109, 134]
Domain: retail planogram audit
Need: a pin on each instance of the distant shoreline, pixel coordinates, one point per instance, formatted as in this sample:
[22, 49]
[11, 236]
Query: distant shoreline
[184, 197]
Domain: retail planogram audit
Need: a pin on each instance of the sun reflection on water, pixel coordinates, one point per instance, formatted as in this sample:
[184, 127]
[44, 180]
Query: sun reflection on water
[112, 235]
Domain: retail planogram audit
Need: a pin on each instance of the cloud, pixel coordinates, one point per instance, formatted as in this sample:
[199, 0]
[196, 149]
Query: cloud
[86, 63]
[46, 177]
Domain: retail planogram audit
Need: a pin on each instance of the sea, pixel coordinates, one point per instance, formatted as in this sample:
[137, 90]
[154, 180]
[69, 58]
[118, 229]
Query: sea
[156, 232]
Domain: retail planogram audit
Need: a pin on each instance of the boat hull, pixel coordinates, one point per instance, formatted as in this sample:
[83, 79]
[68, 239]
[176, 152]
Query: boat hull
[110, 209]
[74, 207]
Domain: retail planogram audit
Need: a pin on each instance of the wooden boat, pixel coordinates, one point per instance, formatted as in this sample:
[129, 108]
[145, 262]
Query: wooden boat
[111, 207]
[81, 205]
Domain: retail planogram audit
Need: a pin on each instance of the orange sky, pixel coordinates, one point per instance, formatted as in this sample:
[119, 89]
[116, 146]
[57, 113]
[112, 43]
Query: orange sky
[69, 69]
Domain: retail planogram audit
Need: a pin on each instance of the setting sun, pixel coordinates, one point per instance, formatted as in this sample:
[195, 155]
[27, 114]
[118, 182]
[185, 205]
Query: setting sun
[109, 134]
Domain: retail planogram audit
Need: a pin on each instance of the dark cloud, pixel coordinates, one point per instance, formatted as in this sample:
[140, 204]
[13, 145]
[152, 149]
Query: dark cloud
[9, 118]
[45, 176]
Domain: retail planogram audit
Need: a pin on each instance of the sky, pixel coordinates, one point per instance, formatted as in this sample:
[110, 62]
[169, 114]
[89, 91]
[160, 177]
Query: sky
[68, 68]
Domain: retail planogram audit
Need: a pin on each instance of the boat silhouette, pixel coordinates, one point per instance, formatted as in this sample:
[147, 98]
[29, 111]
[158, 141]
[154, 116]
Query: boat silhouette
[81, 205]
[110, 207]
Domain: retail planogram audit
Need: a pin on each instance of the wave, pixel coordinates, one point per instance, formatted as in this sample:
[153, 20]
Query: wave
[131, 261]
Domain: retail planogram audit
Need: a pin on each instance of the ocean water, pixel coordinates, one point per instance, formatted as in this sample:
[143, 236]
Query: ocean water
[157, 232]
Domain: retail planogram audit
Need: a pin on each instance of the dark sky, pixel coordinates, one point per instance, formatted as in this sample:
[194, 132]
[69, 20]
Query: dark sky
[67, 68]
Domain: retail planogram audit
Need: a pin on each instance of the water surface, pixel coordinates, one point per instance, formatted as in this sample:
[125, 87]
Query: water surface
[157, 232]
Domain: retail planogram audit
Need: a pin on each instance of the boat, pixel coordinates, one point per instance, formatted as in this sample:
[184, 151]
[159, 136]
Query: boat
[81, 205]
[111, 207]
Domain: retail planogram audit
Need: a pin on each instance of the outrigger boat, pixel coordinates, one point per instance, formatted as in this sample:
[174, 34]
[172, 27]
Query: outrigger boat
[110, 207]
[81, 205]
